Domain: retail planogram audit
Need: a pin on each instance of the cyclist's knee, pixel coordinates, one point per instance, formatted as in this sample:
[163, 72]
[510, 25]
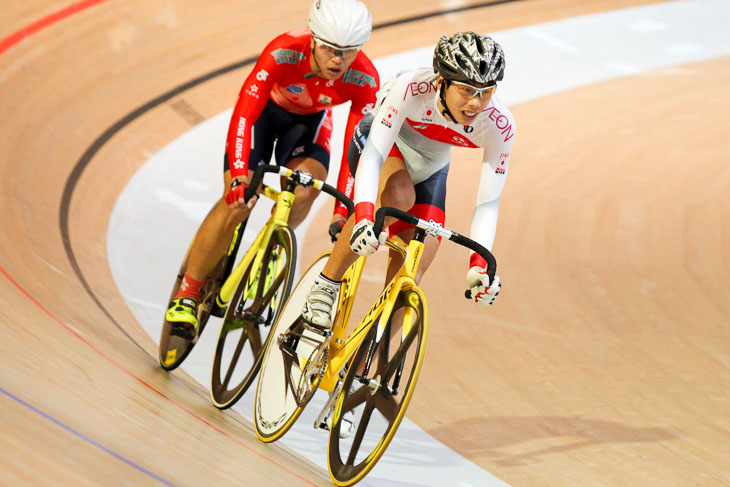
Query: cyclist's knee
[230, 217]
[429, 253]
[304, 197]
[401, 196]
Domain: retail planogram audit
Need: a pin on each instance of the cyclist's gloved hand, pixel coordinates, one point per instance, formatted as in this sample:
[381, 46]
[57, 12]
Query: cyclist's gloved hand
[363, 241]
[482, 292]
[235, 198]
[335, 229]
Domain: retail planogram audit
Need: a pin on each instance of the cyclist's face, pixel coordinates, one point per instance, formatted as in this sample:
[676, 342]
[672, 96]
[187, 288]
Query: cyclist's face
[331, 62]
[466, 102]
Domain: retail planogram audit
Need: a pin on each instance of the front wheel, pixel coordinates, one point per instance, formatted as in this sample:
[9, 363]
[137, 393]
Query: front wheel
[250, 315]
[379, 384]
[276, 405]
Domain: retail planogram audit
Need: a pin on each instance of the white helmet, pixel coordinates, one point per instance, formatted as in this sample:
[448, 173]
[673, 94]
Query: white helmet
[345, 23]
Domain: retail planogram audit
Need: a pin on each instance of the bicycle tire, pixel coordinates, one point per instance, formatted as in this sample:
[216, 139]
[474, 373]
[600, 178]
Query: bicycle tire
[252, 310]
[173, 350]
[275, 408]
[388, 373]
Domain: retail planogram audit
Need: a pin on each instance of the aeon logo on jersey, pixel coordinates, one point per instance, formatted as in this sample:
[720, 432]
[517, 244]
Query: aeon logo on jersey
[262, 75]
[502, 122]
[419, 88]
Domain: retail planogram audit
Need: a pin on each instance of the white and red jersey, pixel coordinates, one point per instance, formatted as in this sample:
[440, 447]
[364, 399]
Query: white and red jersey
[284, 74]
[407, 115]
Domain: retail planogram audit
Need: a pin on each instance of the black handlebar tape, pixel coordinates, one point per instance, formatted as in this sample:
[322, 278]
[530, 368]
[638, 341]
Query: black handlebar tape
[258, 175]
[479, 249]
[340, 197]
[455, 237]
[394, 212]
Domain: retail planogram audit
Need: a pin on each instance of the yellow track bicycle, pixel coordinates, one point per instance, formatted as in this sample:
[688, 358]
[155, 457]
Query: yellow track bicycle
[249, 295]
[371, 372]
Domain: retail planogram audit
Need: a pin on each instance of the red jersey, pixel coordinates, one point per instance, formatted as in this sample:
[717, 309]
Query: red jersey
[283, 73]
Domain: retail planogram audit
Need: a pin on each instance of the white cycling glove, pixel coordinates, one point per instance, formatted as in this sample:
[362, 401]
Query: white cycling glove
[363, 241]
[482, 292]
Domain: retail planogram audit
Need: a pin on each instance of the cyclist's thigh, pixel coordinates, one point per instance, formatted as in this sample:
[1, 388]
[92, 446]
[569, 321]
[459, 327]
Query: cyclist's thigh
[430, 200]
[308, 137]
[395, 187]
[308, 164]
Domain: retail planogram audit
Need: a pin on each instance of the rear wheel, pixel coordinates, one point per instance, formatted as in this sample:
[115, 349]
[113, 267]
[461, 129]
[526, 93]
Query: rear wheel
[377, 389]
[253, 309]
[280, 394]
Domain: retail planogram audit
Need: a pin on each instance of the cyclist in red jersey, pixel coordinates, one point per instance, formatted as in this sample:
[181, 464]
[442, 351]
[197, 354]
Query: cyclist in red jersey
[284, 108]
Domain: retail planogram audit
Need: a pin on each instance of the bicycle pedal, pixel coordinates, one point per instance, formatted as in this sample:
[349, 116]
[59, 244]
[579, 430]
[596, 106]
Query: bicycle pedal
[323, 332]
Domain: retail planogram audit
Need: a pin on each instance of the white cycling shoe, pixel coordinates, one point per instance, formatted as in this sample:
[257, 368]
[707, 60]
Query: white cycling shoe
[318, 306]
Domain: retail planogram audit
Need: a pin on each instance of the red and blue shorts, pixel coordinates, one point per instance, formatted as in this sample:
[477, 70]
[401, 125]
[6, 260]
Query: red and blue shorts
[430, 194]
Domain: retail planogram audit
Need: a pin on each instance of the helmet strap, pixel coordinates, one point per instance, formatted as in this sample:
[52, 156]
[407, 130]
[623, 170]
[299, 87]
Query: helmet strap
[445, 112]
[314, 58]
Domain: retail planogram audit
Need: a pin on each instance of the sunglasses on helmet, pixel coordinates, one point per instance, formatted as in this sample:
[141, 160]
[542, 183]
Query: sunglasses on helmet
[335, 49]
[471, 91]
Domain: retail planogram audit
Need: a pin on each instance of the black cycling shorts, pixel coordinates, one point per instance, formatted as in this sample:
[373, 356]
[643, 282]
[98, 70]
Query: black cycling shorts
[288, 135]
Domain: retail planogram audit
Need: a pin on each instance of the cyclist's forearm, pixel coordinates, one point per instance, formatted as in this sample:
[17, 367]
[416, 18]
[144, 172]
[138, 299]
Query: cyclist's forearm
[342, 257]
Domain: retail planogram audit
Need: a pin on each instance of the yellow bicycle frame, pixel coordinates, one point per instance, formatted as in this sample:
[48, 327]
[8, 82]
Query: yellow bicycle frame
[255, 253]
[340, 352]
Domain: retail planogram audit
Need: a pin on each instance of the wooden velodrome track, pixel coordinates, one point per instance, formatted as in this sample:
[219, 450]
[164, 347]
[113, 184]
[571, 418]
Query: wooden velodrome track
[605, 361]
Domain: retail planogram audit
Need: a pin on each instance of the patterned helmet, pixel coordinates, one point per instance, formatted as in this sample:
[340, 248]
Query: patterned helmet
[345, 23]
[470, 58]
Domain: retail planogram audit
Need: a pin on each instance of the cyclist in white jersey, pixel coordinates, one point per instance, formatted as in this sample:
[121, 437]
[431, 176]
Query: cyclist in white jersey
[405, 150]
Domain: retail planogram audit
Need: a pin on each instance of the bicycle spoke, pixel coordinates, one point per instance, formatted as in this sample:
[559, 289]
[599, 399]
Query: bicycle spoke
[273, 289]
[386, 405]
[360, 434]
[254, 338]
[234, 360]
[358, 397]
[399, 355]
